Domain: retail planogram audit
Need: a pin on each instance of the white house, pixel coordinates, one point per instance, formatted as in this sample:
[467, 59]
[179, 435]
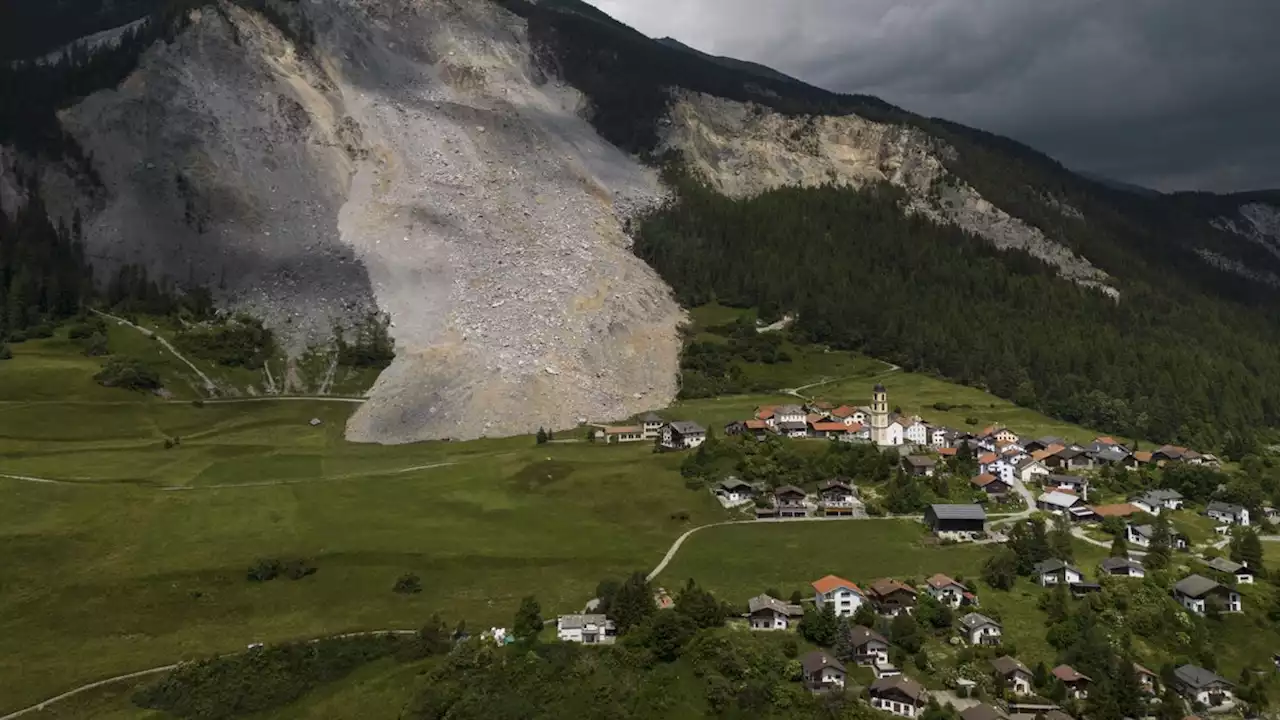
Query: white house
[917, 433]
[898, 695]
[1142, 536]
[822, 672]
[1056, 572]
[683, 435]
[1241, 572]
[768, 613]
[789, 414]
[1203, 686]
[735, 491]
[1122, 567]
[586, 629]
[651, 425]
[1228, 513]
[1195, 592]
[1030, 471]
[947, 591]
[844, 596]
[1153, 501]
[1014, 675]
[981, 630]
[1068, 483]
[1057, 502]
[992, 464]
[942, 437]
[869, 647]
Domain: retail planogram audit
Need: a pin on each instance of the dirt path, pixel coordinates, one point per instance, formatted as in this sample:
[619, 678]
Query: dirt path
[798, 392]
[209, 385]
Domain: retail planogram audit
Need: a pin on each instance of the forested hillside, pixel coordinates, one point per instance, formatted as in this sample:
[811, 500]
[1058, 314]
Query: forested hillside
[862, 275]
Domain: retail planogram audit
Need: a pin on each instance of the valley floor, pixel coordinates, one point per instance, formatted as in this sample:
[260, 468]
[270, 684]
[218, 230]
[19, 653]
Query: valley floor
[136, 554]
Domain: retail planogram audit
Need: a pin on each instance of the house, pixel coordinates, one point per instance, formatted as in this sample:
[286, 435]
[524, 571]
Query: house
[919, 465]
[735, 491]
[991, 484]
[683, 435]
[1242, 574]
[993, 464]
[789, 501]
[758, 429]
[1121, 567]
[1153, 501]
[942, 437]
[1114, 456]
[1142, 457]
[999, 434]
[849, 415]
[1057, 502]
[794, 430]
[1044, 443]
[1169, 453]
[918, 433]
[586, 629]
[1228, 513]
[821, 407]
[1056, 572]
[983, 711]
[844, 597]
[891, 597]
[869, 646]
[1197, 592]
[830, 429]
[1147, 680]
[955, 519]
[822, 672]
[789, 414]
[1142, 536]
[768, 613]
[1195, 683]
[1068, 483]
[949, 592]
[1072, 457]
[1030, 471]
[1013, 675]
[651, 424]
[622, 434]
[1077, 683]
[979, 629]
[899, 695]
[837, 497]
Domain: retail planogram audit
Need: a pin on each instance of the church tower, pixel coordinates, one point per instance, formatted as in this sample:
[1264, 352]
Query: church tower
[880, 416]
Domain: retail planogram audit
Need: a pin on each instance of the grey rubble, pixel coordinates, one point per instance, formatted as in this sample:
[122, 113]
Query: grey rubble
[414, 161]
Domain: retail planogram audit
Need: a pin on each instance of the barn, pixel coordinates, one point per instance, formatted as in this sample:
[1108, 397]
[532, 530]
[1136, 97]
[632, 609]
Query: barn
[955, 518]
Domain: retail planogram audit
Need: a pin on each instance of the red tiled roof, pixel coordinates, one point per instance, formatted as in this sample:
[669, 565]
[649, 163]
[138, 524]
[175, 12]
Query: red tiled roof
[764, 412]
[885, 586]
[829, 426]
[831, 582]
[941, 581]
[1104, 440]
[947, 452]
[623, 430]
[1068, 674]
[812, 418]
[844, 411]
[1142, 456]
[985, 458]
[756, 424]
[983, 480]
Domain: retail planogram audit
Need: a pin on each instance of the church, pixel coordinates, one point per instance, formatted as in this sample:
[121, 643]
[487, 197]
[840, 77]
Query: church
[883, 432]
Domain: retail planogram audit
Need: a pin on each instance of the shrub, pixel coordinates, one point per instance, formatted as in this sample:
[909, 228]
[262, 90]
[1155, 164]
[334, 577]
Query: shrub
[37, 332]
[241, 341]
[408, 584]
[941, 406]
[6, 353]
[265, 569]
[96, 345]
[128, 373]
[197, 403]
[971, 421]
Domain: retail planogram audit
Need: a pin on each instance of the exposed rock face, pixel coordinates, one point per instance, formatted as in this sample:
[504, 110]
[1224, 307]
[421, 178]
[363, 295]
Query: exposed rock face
[1257, 222]
[415, 160]
[745, 149]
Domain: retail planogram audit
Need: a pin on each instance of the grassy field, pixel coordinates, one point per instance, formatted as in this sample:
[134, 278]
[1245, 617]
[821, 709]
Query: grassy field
[138, 556]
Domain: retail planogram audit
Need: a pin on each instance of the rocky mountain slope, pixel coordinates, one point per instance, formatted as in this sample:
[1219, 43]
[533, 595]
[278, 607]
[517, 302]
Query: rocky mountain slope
[469, 167]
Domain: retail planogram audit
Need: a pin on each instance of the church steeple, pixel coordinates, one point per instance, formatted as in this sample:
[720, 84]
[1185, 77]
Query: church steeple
[880, 416]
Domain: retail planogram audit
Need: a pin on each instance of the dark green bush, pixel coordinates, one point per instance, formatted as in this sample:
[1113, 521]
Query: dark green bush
[128, 373]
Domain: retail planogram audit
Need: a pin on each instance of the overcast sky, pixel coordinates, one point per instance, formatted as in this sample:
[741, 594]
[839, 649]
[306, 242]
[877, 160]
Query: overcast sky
[1170, 94]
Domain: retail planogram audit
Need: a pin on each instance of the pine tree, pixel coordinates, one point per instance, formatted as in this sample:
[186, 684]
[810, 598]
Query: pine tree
[1246, 549]
[542, 436]
[632, 604]
[528, 619]
[1160, 551]
[1119, 546]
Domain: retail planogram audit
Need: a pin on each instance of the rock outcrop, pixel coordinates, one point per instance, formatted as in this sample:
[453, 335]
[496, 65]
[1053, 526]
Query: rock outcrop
[413, 159]
[744, 149]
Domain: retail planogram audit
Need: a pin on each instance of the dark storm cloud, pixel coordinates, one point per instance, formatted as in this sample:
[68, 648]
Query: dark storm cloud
[1172, 94]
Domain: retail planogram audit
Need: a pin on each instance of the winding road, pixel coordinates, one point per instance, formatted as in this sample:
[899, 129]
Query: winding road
[209, 385]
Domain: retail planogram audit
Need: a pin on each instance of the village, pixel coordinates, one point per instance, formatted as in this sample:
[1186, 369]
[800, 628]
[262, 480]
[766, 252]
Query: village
[1008, 468]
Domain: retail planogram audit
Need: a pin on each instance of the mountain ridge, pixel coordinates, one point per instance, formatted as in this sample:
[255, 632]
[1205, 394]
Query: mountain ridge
[478, 179]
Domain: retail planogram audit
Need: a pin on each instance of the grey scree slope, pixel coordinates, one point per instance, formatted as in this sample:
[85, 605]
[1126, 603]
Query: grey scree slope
[416, 162]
